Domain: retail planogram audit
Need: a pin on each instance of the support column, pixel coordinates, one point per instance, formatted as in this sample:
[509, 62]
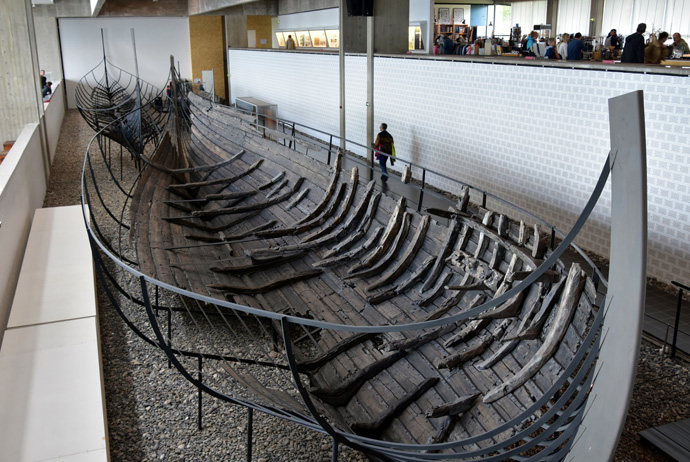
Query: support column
[552, 16]
[341, 55]
[20, 92]
[370, 87]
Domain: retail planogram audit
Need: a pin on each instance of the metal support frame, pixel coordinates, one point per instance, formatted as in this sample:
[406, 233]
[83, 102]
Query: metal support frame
[612, 390]
[681, 287]
[577, 377]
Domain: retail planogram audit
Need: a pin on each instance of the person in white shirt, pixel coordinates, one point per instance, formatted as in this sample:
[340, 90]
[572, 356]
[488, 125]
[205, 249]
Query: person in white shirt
[563, 46]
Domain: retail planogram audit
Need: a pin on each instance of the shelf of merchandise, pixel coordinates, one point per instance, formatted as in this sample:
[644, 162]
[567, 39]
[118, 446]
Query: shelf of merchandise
[455, 30]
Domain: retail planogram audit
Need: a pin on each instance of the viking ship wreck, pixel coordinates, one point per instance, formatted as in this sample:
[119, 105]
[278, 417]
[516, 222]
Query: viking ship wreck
[271, 261]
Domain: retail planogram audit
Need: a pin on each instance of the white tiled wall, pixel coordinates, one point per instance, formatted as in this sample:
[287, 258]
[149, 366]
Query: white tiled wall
[537, 137]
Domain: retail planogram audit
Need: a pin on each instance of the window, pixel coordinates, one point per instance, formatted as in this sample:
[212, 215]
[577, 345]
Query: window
[303, 39]
[318, 38]
[281, 39]
[333, 38]
[416, 42]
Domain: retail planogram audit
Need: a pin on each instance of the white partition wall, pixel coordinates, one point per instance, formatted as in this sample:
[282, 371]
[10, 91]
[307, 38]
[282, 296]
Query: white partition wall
[535, 136]
[156, 39]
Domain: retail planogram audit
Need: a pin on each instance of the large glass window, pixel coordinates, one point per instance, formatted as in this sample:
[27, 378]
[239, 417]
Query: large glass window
[573, 16]
[416, 42]
[333, 38]
[318, 38]
[303, 39]
[281, 39]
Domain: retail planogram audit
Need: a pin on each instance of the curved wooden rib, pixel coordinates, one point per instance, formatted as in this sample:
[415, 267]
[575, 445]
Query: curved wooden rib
[445, 250]
[275, 284]
[341, 394]
[224, 181]
[347, 204]
[211, 229]
[330, 190]
[375, 428]
[392, 252]
[369, 243]
[387, 239]
[248, 208]
[404, 263]
[571, 296]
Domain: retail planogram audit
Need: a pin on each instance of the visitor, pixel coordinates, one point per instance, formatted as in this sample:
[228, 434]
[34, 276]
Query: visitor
[551, 50]
[384, 143]
[657, 50]
[679, 47]
[290, 43]
[633, 51]
[563, 46]
[576, 48]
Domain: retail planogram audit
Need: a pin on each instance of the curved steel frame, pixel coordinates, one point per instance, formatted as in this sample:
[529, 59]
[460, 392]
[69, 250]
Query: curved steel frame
[556, 427]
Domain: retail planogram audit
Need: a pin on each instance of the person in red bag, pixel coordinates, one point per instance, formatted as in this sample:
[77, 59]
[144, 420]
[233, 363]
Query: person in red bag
[384, 143]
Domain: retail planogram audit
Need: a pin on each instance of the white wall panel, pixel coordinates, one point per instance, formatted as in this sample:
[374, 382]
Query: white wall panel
[475, 129]
[573, 16]
[156, 39]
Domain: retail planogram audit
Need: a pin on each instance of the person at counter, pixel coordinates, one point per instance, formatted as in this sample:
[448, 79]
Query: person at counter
[633, 51]
[551, 50]
[679, 47]
[657, 50]
[576, 48]
[532, 41]
[563, 46]
[612, 41]
[447, 45]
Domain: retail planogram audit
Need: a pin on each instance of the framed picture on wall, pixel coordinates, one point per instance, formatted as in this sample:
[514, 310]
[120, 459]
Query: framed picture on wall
[458, 15]
[444, 15]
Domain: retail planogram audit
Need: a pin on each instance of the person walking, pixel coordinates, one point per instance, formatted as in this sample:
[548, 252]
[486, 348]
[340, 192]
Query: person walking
[383, 143]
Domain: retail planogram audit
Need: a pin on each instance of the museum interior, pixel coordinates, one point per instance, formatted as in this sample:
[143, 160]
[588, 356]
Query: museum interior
[517, 287]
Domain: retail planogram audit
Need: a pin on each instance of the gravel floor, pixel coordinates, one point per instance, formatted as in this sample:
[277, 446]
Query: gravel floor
[152, 410]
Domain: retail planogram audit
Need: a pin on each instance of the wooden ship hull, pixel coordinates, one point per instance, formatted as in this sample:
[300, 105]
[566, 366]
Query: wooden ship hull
[457, 335]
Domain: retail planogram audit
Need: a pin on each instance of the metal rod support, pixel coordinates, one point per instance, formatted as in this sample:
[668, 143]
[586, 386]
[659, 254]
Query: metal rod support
[169, 333]
[421, 191]
[250, 426]
[334, 453]
[200, 398]
[675, 327]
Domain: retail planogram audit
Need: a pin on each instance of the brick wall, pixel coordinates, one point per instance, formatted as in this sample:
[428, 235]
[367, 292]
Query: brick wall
[537, 137]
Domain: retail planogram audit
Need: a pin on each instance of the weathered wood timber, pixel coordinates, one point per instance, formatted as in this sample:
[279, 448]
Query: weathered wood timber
[339, 395]
[573, 287]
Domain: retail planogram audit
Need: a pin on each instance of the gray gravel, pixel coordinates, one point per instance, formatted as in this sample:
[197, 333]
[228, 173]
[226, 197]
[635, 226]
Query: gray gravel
[152, 409]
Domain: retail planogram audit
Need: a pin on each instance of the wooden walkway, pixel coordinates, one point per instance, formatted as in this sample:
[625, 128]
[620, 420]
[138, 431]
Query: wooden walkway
[673, 439]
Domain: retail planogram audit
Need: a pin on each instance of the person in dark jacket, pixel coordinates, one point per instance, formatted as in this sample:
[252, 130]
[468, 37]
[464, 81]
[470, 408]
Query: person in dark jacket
[447, 45]
[384, 143]
[633, 51]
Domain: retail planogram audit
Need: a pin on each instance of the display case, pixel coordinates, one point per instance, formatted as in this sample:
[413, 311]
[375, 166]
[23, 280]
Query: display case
[264, 113]
[318, 38]
[303, 38]
[333, 36]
